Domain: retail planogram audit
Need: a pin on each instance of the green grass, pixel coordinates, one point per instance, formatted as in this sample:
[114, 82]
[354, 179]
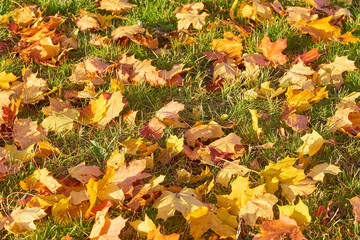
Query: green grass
[94, 145]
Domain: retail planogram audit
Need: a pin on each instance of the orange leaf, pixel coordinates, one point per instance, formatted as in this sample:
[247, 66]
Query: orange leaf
[272, 50]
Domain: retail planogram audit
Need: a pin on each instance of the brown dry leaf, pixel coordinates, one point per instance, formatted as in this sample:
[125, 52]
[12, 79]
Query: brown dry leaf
[273, 50]
[202, 219]
[25, 16]
[146, 41]
[126, 31]
[27, 132]
[203, 132]
[355, 202]
[184, 201]
[83, 173]
[38, 180]
[230, 44]
[89, 71]
[22, 220]
[116, 6]
[154, 130]
[280, 228]
[318, 172]
[298, 123]
[157, 235]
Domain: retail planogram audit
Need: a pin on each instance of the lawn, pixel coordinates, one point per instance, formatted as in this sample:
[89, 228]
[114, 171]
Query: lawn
[162, 119]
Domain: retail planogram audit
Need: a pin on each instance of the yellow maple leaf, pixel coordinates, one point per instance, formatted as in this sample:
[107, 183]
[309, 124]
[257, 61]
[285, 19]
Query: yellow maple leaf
[312, 143]
[298, 212]
[230, 44]
[143, 227]
[203, 219]
[5, 79]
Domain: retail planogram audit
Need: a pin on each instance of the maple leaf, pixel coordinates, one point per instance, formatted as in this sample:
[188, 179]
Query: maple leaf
[279, 228]
[154, 130]
[281, 172]
[189, 15]
[228, 170]
[169, 114]
[297, 77]
[125, 176]
[143, 227]
[105, 228]
[38, 180]
[175, 144]
[45, 149]
[156, 235]
[102, 110]
[272, 50]
[258, 207]
[184, 201]
[231, 45]
[355, 202]
[298, 123]
[298, 212]
[203, 132]
[116, 6]
[229, 144]
[43, 51]
[83, 173]
[309, 56]
[318, 172]
[19, 155]
[303, 187]
[27, 132]
[312, 143]
[61, 121]
[5, 79]
[332, 73]
[203, 219]
[33, 88]
[240, 194]
[22, 220]
[126, 31]
[86, 22]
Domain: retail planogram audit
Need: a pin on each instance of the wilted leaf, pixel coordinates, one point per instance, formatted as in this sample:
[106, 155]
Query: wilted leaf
[312, 143]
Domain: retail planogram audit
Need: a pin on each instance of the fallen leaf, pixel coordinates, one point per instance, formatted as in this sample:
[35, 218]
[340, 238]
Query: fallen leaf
[116, 6]
[184, 201]
[312, 143]
[83, 173]
[355, 202]
[22, 220]
[273, 50]
[203, 132]
[280, 228]
[143, 227]
[154, 130]
[156, 235]
[318, 172]
[298, 212]
[202, 219]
